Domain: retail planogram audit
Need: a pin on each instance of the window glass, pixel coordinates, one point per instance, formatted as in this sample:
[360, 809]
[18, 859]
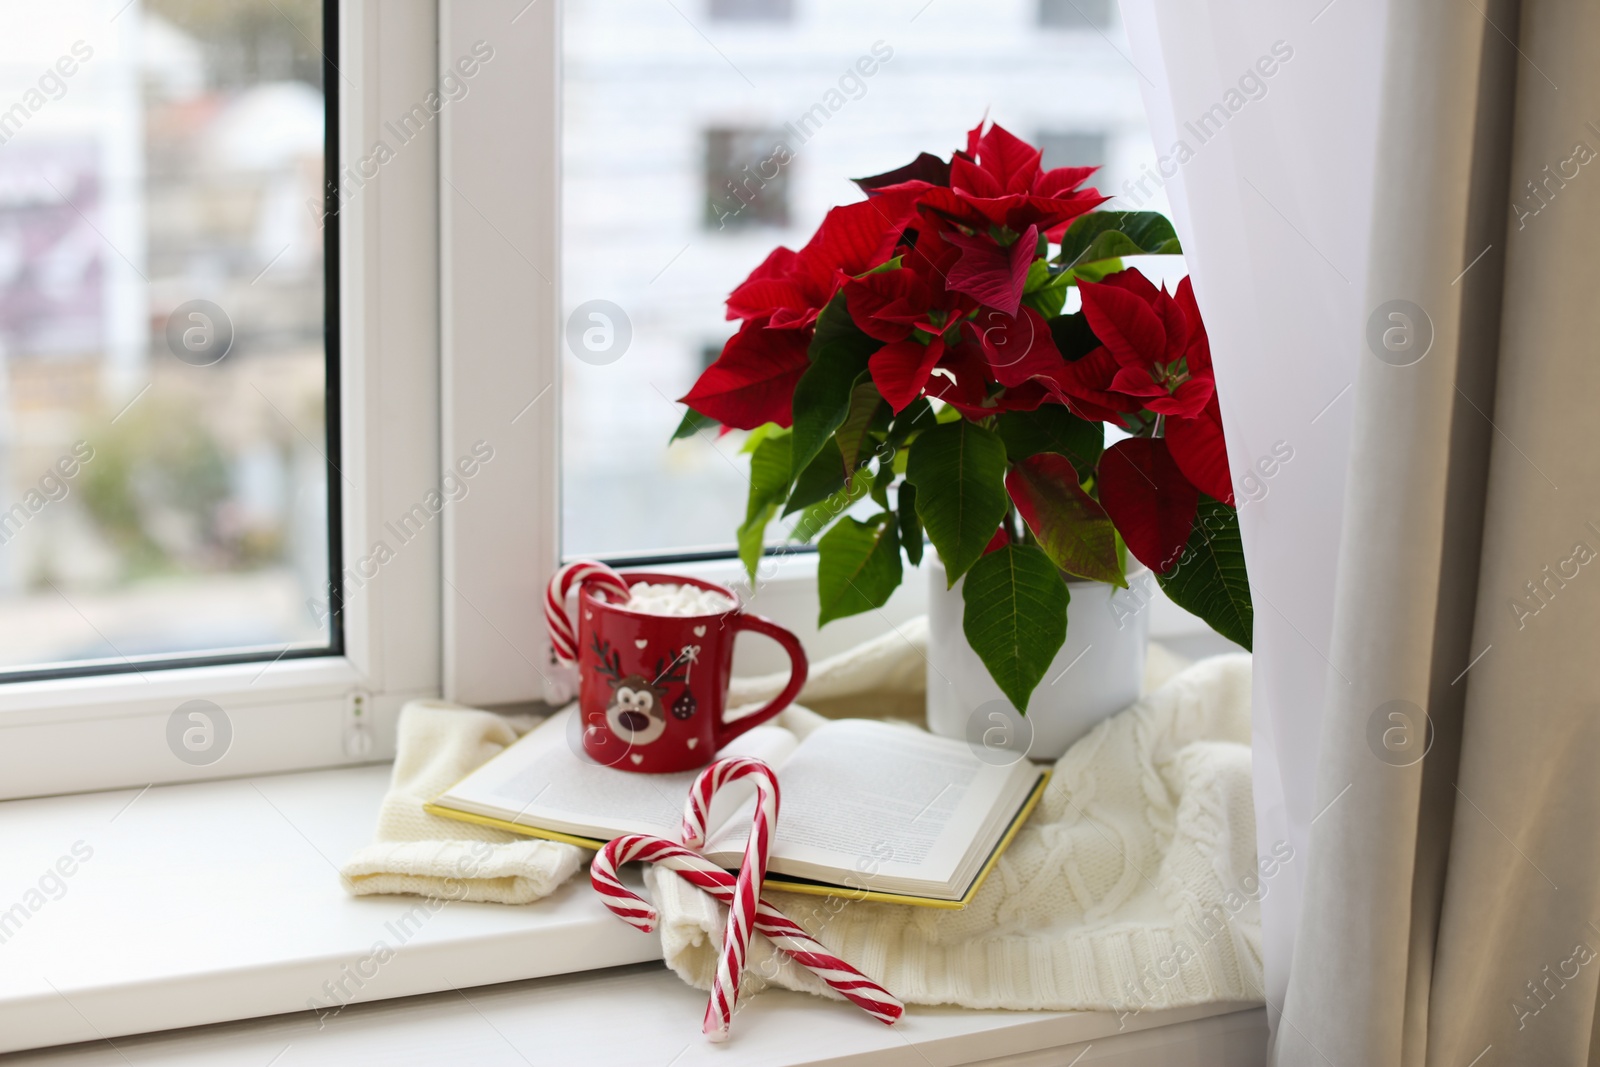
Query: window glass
[1075, 14]
[747, 182]
[674, 191]
[1058, 148]
[163, 372]
[753, 10]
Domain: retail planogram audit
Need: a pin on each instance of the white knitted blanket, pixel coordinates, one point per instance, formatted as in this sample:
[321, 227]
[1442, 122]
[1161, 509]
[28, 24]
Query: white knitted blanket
[414, 852]
[1134, 884]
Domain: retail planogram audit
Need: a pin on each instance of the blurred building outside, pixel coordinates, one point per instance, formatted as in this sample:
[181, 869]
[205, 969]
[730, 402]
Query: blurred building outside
[673, 192]
[172, 165]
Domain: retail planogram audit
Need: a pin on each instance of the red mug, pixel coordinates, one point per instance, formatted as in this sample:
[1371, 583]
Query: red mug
[653, 689]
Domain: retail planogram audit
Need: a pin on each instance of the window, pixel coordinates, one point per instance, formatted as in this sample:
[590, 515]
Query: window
[518, 282]
[675, 188]
[752, 10]
[1071, 149]
[1075, 14]
[747, 179]
[165, 446]
[230, 514]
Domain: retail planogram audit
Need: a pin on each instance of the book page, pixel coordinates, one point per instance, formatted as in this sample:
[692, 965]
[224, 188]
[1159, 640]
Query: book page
[541, 781]
[869, 799]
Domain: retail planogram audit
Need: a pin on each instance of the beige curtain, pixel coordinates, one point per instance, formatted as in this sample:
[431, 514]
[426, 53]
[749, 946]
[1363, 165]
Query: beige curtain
[1453, 889]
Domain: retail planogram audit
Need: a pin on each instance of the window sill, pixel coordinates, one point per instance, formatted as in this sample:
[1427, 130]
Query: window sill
[216, 901]
[205, 902]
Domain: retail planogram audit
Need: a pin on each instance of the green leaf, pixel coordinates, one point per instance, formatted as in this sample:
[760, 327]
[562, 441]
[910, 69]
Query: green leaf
[693, 422]
[1072, 335]
[822, 477]
[1071, 527]
[1015, 617]
[912, 420]
[1093, 272]
[910, 525]
[858, 567]
[1038, 277]
[883, 268]
[915, 418]
[946, 414]
[752, 537]
[1102, 235]
[959, 471]
[838, 354]
[754, 438]
[1052, 298]
[1052, 428]
[769, 474]
[1045, 292]
[865, 405]
[769, 484]
[1209, 578]
[881, 482]
[814, 519]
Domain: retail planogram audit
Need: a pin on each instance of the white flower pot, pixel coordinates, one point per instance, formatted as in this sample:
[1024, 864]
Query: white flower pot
[1096, 674]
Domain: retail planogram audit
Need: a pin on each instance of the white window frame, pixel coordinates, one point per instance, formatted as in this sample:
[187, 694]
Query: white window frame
[109, 731]
[500, 250]
[499, 245]
[450, 338]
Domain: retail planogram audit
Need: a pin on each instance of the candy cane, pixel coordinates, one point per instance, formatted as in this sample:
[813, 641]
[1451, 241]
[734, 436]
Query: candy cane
[706, 786]
[783, 932]
[563, 636]
[746, 887]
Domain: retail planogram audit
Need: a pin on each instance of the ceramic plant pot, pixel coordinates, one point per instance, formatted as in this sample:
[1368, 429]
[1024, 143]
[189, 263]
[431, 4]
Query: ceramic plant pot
[1096, 674]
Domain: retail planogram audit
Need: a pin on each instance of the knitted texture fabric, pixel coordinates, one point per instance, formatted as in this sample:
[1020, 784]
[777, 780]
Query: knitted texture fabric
[414, 852]
[1134, 885]
[894, 662]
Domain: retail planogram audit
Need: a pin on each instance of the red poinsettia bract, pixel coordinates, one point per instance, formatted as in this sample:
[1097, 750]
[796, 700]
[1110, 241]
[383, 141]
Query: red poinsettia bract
[911, 311]
[1152, 504]
[790, 288]
[935, 267]
[1154, 355]
[753, 381]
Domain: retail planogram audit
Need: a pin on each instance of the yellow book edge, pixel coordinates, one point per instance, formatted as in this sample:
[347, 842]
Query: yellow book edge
[779, 882]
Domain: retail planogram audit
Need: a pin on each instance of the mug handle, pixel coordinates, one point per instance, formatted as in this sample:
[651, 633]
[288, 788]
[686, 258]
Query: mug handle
[726, 731]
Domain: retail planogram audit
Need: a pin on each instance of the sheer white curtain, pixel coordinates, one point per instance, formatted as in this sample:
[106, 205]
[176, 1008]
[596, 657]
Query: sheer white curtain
[1266, 113]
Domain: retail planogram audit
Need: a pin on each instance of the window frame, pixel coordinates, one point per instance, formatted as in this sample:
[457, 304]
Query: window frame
[500, 226]
[103, 731]
[499, 257]
[500, 280]
[449, 336]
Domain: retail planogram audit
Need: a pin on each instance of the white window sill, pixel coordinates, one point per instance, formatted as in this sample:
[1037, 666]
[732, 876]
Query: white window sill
[212, 901]
[216, 901]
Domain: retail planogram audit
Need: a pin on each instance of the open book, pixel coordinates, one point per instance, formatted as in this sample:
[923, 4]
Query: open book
[869, 809]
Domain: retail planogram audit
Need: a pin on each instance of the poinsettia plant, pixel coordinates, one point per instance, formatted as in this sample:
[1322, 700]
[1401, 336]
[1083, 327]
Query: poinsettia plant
[918, 351]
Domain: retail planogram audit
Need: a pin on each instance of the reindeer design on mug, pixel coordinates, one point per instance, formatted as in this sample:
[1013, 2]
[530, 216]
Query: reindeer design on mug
[637, 710]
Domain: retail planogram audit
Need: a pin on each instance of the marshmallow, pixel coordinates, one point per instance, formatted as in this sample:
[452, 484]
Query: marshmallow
[671, 599]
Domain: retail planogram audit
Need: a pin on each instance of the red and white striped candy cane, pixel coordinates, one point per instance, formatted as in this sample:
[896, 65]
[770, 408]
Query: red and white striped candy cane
[783, 932]
[697, 809]
[746, 887]
[563, 635]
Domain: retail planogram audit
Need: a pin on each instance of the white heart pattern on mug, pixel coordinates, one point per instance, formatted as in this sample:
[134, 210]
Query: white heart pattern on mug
[637, 759]
[640, 642]
[693, 741]
[699, 631]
